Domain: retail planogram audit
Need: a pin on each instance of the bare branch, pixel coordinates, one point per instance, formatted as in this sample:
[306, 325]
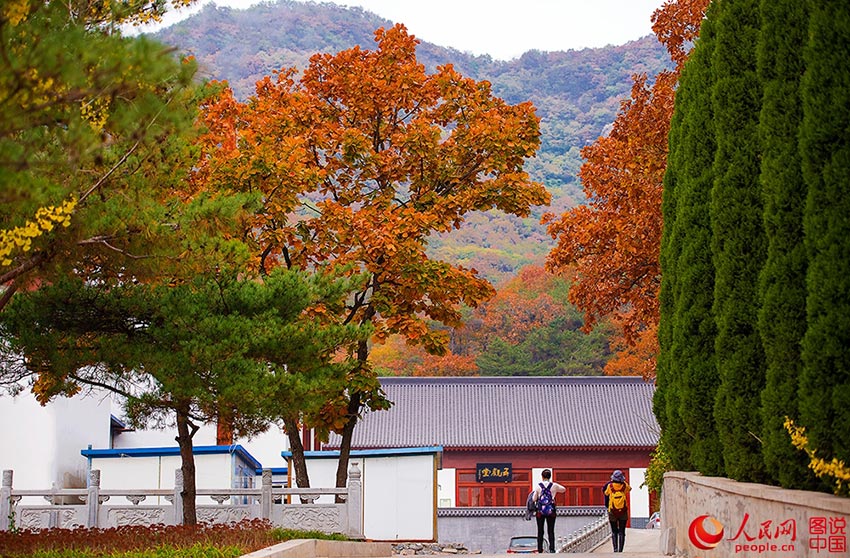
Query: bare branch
[34, 261]
[103, 241]
[7, 295]
[109, 173]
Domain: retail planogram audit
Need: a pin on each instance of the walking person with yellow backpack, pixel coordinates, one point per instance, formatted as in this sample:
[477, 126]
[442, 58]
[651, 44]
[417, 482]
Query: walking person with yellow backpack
[616, 491]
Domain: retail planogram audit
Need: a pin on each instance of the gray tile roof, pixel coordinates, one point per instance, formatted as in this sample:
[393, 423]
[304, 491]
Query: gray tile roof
[511, 412]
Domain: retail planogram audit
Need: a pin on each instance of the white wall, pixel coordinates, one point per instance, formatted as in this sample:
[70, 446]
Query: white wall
[446, 488]
[211, 471]
[322, 473]
[161, 438]
[537, 477]
[265, 447]
[42, 444]
[639, 496]
[130, 472]
[399, 493]
[399, 498]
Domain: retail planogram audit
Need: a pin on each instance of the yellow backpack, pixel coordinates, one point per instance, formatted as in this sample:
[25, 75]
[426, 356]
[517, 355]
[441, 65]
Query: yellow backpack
[617, 499]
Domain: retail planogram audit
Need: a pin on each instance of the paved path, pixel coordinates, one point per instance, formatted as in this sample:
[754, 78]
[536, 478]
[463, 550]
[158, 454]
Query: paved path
[640, 543]
[643, 543]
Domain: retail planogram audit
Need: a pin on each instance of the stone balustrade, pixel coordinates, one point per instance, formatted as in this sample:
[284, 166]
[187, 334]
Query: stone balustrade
[587, 538]
[289, 508]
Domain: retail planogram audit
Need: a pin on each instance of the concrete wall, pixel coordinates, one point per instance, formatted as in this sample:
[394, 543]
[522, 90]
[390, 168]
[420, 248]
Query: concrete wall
[711, 517]
[312, 548]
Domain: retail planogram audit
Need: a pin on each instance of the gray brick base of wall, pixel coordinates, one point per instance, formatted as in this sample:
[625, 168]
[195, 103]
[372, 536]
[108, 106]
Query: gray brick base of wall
[490, 529]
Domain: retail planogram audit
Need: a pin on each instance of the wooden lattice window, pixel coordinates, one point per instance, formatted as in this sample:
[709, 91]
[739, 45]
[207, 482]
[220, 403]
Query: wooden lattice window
[584, 488]
[471, 493]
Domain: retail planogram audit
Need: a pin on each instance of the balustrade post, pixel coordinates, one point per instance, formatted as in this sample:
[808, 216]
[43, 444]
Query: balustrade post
[266, 498]
[6, 500]
[354, 501]
[177, 501]
[93, 498]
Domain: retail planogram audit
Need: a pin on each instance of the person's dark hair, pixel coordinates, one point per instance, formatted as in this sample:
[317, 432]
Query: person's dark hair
[547, 474]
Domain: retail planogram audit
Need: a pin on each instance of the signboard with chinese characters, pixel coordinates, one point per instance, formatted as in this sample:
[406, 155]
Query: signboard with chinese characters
[493, 472]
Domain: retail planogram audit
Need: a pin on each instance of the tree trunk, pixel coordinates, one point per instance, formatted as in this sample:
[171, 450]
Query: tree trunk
[354, 404]
[345, 445]
[185, 431]
[224, 427]
[302, 480]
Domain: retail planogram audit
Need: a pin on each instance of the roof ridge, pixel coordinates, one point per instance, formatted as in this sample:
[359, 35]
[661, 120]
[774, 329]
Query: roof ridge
[529, 380]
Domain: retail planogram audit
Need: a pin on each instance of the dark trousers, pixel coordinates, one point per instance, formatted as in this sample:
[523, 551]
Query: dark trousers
[549, 520]
[618, 533]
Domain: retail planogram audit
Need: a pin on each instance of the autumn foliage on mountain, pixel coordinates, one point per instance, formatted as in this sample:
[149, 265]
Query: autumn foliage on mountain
[611, 245]
[576, 95]
[528, 328]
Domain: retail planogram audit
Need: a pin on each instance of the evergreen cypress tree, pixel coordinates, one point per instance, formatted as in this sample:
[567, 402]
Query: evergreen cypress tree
[687, 377]
[738, 246]
[666, 400]
[782, 287]
[825, 154]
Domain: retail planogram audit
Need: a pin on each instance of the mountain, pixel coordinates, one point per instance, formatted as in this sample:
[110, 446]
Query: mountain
[577, 95]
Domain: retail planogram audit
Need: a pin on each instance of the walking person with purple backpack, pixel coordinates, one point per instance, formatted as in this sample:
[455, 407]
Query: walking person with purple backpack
[544, 497]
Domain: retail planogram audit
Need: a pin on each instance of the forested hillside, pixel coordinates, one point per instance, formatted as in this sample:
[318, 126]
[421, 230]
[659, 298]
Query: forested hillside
[576, 93]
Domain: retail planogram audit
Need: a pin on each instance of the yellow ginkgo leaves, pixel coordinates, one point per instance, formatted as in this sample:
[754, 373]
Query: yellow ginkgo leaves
[835, 469]
[20, 239]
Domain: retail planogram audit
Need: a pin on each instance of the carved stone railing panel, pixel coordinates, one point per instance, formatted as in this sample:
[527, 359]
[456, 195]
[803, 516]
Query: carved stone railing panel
[224, 514]
[45, 518]
[144, 516]
[325, 518]
[33, 519]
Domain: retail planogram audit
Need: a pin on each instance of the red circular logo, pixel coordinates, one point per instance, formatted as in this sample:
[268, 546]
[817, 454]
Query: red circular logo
[701, 537]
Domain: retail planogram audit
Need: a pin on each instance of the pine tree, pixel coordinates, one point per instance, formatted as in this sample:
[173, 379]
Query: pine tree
[93, 127]
[782, 287]
[825, 154]
[738, 247]
[687, 377]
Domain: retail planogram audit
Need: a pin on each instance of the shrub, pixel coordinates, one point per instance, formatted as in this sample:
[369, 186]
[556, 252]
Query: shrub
[156, 541]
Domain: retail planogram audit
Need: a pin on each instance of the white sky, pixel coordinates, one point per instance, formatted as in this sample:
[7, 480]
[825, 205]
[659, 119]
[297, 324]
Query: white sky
[505, 29]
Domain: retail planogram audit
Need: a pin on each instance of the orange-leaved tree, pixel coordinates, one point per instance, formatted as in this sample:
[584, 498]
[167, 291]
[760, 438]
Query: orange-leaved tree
[522, 304]
[359, 161]
[447, 365]
[614, 240]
